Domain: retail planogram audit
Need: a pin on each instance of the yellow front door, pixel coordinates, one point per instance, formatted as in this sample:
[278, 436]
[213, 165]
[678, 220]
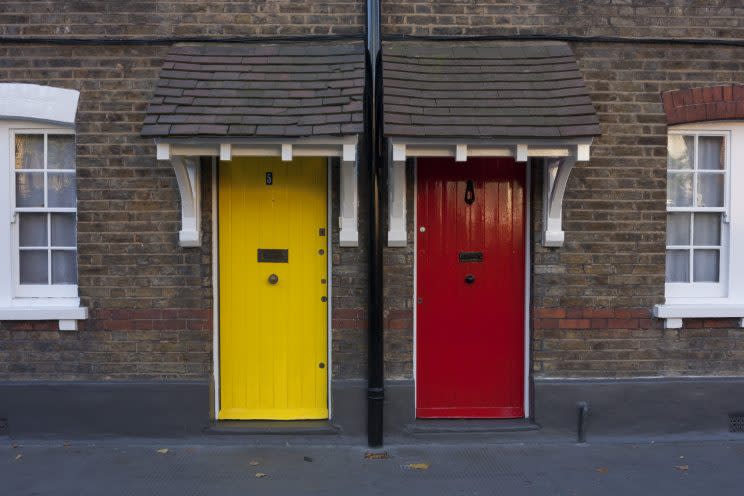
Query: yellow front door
[273, 288]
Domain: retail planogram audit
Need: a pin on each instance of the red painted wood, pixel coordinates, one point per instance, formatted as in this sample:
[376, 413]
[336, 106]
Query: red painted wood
[470, 337]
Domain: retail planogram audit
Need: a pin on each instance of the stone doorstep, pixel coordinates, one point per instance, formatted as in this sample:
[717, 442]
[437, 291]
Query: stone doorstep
[469, 426]
[274, 427]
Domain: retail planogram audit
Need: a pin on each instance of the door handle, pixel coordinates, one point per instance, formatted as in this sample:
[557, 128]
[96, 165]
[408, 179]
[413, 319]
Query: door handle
[273, 279]
[469, 279]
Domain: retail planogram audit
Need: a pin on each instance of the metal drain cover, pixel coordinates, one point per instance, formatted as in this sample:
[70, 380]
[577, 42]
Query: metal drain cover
[736, 422]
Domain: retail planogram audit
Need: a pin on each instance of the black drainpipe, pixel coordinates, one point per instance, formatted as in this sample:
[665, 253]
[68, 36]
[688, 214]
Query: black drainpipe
[374, 143]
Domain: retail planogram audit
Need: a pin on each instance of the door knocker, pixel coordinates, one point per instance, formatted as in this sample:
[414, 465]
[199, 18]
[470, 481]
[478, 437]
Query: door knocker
[469, 192]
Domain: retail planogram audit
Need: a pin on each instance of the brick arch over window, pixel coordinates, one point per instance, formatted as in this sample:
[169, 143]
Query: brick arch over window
[711, 103]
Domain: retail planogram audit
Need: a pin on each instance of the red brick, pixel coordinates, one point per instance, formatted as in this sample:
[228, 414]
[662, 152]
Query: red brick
[558, 313]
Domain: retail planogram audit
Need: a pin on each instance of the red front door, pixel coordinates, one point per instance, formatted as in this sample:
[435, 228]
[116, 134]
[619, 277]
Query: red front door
[470, 288]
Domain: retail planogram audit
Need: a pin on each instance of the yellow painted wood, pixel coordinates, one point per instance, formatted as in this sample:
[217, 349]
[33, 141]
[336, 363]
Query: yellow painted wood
[273, 338]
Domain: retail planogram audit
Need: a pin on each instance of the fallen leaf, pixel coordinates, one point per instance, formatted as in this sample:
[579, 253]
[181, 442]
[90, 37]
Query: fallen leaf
[370, 455]
[602, 470]
[14, 445]
[261, 475]
[19, 456]
[682, 468]
[418, 466]
[307, 458]
[253, 462]
[163, 451]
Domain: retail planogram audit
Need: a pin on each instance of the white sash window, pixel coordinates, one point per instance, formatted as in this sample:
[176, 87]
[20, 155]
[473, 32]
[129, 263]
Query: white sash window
[44, 214]
[705, 223]
[38, 205]
[697, 221]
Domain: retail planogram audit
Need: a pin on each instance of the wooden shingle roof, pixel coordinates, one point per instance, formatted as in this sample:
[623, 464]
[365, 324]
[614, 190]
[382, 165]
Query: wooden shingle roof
[259, 90]
[485, 89]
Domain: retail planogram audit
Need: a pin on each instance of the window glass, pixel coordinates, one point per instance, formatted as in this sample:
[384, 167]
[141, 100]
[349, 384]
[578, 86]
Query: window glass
[45, 205]
[696, 163]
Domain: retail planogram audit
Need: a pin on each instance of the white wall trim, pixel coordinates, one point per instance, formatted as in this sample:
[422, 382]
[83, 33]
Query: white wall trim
[189, 180]
[699, 310]
[184, 156]
[397, 234]
[726, 298]
[527, 286]
[329, 284]
[37, 102]
[348, 222]
[24, 302]
[38, 312]
[215, 289]
[257, 147]
[555, 180]
[565, 154]
[521, 151]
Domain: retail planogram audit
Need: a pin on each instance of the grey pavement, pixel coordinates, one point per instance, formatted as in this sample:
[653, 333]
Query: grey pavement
[160, 467]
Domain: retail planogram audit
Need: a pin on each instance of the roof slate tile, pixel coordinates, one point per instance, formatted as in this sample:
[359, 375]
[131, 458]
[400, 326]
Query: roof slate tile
[485, 89]
[258, 89]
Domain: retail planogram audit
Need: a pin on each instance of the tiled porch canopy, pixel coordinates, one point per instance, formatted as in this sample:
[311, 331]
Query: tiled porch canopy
[258, 90]
[259, 99]
[481, 98]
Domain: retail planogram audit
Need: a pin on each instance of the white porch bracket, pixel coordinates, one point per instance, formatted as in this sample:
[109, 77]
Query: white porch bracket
[349, 204]
[188, 177]
[397, 236]
[557, 172]
[185, 154]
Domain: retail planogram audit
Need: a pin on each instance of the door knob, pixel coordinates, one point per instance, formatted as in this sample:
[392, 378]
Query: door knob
[273, 279]
[469, 279]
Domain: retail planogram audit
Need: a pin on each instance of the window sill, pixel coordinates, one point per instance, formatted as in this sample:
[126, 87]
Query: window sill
[67, 315]
[674, 313]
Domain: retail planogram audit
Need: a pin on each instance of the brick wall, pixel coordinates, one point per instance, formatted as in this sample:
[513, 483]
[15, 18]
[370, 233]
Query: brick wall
[659, 18]
[163, 18]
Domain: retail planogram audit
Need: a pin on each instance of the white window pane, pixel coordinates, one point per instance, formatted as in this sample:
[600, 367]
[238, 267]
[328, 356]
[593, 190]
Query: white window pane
[32, 229]
[34, 267]
[29, 151]
[710, 152]
[705, 264]
[61, 190]
[60, 151]
[679, 151]
[677, 266]
[710, 190]
[63, 230]
[30, 189]
[64, 267]
[678, 229]
[679, 189]
[707, 229]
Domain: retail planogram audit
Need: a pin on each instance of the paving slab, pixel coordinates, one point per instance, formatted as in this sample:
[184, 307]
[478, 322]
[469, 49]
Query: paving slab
[159, 467]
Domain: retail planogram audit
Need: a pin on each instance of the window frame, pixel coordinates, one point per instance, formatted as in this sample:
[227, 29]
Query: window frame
[26, 305]
[48, 290]
[695, 290]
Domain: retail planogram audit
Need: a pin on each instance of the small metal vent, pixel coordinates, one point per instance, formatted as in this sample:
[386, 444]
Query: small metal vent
[736, 422]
